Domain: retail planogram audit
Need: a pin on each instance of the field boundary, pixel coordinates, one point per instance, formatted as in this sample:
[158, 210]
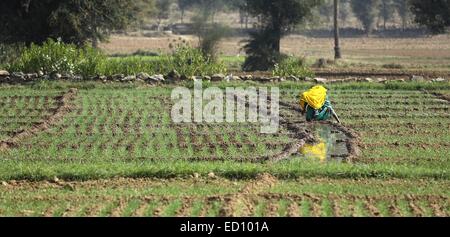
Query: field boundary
[438, 95]
[63, 108]
[352, 143]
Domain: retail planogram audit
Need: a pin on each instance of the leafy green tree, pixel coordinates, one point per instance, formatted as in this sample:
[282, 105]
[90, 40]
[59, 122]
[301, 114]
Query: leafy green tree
[72, 21]
[278, 17]
[184, 5]
[162, 10]
[403, 8]
[211, 7]
[146, 8]
[344, 11]
[366, 11]
[435, 14]
[387, 11]
[326, 10]
[240, 5]
[209, 34]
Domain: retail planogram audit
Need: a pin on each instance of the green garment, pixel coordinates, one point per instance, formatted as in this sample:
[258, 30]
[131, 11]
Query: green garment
[321, 114]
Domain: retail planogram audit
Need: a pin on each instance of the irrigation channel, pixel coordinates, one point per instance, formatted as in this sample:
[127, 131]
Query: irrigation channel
[323, 141]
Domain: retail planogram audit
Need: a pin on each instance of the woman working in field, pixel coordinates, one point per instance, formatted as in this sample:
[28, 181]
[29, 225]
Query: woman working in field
[316, 105]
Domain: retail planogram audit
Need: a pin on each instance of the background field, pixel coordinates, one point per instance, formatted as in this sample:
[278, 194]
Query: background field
[432, 53]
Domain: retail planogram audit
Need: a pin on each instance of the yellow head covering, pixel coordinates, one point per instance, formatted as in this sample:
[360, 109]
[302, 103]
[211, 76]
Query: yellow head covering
[314, 97]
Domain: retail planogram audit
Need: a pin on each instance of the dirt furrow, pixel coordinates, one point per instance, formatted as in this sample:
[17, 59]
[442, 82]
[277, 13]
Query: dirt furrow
[370, 204]
[94, 210]
[64, 107]
[49, 211]
[140, 211]
[71, 211]
[437, 95]
[241, 203]
[186, 207]
[416, 209]
[393, 209]
[293, 209]
[316, 207]
[437, 208]
[337, 209]
[272, 209]
[117, 212]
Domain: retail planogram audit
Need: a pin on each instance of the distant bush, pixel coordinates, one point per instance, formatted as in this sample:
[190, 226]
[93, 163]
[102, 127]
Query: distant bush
[393, 66]
[54, 56]
[128, 66]
[292, 67]
[185, 60]
[8, 53]
[139, 52]
[191, 62]
[209, 35]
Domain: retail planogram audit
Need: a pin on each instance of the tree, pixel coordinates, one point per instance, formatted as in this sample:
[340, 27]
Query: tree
[209, 34]
[327, 10]
[184, 5]
[435, 14]
[162, 11]
[241, 6]
[278, 17]
[403, 9]
[344, 10]
[337, 47]
[211, 6]
[387, 10]
[366, 11]
[72, 21]
[146, 8]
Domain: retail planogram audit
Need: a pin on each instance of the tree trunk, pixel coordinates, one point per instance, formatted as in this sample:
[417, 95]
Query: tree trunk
[276, 37]
[277, 44]
[246, 21]
[95, 43]
[337, 47]
[404, 23]
[384, 15]
[182, 16]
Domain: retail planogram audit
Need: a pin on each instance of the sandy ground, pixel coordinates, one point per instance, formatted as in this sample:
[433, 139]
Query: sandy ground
[437, 46]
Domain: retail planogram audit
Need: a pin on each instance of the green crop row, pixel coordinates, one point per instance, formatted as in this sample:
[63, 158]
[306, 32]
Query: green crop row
[207, 197]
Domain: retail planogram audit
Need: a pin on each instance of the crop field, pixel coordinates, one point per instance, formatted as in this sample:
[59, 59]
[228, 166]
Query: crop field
[135, 124]
[93, 149]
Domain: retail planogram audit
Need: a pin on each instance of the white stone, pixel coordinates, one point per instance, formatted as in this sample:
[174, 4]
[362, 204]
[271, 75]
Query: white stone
[417, 78]
[143, 76]
[439, 80]
[211, 175]
[157, 78]
[320, 80]
[4, 73]
[217, 77]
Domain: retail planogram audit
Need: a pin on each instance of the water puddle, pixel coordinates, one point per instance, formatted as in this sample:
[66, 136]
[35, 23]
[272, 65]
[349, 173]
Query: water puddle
[331, 145]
